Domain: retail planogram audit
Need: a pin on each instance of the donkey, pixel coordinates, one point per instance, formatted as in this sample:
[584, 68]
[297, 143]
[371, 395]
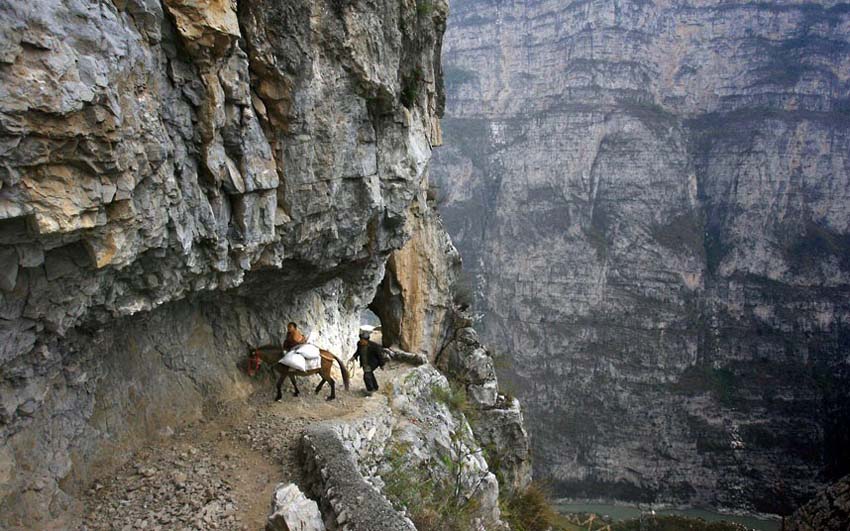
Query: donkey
[272, 354]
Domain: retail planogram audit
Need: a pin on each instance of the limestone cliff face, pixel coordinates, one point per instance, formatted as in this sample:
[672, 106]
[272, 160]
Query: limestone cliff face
[177, 180]
[415, 300]
[653, 200]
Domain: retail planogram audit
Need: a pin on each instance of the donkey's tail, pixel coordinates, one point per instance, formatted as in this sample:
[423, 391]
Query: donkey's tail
[345, 376]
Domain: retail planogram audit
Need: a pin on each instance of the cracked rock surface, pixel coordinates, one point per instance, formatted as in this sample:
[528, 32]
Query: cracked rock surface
[651, 199]
[178, 179]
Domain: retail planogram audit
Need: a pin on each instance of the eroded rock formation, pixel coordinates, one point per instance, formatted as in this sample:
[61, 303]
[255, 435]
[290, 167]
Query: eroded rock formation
[415, 300]
[652, 200]
[177, 181]
[828, 511]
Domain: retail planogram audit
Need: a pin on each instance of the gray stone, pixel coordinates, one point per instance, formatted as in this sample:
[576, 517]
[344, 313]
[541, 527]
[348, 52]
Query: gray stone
[337, 481]
[292, 511]
[483, 395]
[441, 438]
[8, 269]
[31, 255]
[829, 510]
[501, 430]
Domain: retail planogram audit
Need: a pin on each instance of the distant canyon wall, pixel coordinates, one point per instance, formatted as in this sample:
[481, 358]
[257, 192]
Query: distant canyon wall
[652, 201]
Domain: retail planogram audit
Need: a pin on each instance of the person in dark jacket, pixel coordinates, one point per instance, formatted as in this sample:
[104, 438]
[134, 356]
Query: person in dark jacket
[370, 357]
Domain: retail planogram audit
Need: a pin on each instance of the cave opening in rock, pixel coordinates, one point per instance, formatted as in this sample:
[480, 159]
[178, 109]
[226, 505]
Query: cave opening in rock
[387, 308]
[370, 318]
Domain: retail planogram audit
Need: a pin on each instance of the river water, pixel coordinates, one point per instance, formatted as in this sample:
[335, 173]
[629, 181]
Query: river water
[625, 512]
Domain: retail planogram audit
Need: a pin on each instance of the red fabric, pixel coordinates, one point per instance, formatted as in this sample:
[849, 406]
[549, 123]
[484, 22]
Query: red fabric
[254, 363]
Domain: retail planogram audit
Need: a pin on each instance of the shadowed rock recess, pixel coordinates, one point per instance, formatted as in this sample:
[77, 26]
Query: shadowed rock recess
[179, 179]
[653, 202]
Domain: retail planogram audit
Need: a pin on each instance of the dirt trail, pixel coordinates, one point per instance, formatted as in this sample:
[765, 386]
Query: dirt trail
[220, 472]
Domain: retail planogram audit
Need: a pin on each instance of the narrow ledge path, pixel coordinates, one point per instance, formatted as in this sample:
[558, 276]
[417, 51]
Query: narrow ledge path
[220, 472]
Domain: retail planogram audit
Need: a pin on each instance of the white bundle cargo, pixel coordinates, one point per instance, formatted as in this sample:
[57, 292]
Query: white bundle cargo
[310, 352]
[294, 360]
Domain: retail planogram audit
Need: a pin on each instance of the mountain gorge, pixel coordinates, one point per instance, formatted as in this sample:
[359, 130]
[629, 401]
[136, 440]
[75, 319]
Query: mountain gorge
[651, 200]
[178, 180]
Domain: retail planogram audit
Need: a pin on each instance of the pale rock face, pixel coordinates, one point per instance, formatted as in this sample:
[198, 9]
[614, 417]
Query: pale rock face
[415, 300]
[179, 179]
[653, 200]
[292, 511]
[498, 422]
[434, 435]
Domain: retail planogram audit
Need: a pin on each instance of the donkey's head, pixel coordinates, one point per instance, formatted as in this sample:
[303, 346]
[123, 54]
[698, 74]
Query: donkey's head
[268, 354]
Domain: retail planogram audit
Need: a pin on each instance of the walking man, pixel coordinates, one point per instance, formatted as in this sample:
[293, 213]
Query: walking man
[369, 353]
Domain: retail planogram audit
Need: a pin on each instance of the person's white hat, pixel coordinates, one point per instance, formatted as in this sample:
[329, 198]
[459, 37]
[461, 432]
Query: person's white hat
[366, 331]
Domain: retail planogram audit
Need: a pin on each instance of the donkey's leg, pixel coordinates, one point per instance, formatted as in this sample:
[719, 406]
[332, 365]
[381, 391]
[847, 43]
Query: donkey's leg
[279, 384]
[333, 389]
[319, 387]
[292, 379]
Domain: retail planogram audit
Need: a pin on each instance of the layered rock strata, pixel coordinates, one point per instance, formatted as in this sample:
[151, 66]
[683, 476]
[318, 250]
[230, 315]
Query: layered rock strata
[651, 198]
[177, 181]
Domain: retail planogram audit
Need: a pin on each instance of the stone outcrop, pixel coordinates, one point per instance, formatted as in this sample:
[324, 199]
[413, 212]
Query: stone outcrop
[414, 434]
[350, 501]
[179, 179]
[292, 511]
[498, 423]
[435, 440]
[415, 300]
[651, 198]
[829, 510]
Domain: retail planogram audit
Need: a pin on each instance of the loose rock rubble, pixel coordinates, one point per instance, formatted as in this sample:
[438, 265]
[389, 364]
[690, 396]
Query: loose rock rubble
[182, 487]
[220, 473]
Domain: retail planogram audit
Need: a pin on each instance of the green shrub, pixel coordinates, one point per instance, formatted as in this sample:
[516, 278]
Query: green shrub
[424, 7]
[532, 510]
[432, 503]
[463, 291]
[454, 397]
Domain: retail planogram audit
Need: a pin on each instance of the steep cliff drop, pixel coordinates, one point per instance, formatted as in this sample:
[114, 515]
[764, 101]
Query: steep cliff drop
[652, 201]
[178, 180]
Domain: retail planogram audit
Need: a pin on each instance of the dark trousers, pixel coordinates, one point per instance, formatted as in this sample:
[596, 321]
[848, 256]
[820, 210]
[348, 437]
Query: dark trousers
[370, 381]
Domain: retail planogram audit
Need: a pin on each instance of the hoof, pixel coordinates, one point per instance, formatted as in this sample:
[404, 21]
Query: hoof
[295, 394]
[278, 399]
[330, 398]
